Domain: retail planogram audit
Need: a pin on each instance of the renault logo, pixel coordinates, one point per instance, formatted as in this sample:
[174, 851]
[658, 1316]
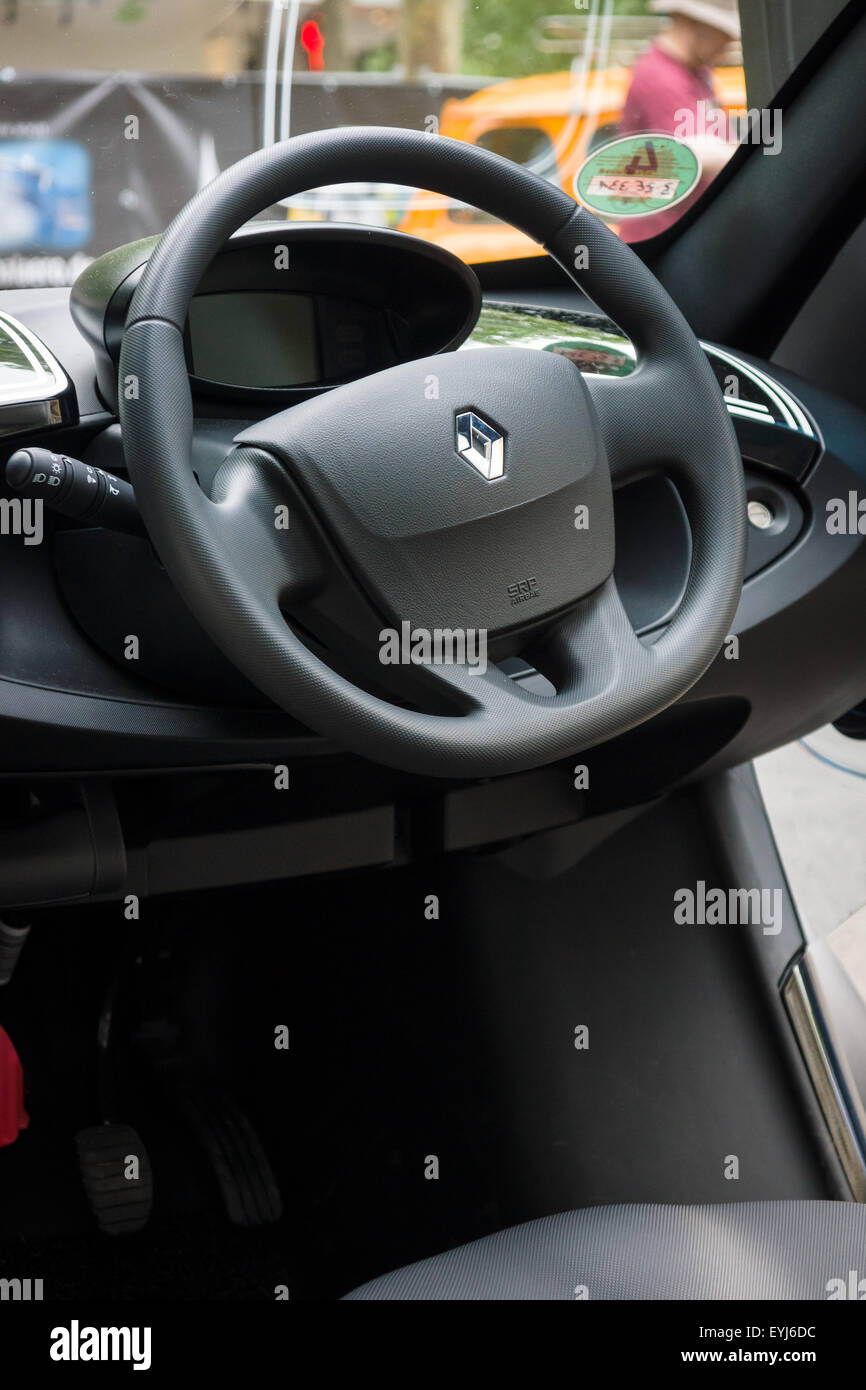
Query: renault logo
[481, 445]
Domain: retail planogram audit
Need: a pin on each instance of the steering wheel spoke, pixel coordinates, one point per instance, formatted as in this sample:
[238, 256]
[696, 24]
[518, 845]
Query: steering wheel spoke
[593, 650]
[588, 654]
[266, 533]
[479, 692]
[638, 425]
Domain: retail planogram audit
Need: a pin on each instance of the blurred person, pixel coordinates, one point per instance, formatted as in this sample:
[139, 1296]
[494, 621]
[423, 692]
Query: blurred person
[672, 81]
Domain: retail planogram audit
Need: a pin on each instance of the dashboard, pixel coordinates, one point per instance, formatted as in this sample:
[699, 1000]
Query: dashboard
[290, 310]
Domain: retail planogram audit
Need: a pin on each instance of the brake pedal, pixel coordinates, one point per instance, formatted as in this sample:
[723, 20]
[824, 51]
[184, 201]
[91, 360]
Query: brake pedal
[117, 1176]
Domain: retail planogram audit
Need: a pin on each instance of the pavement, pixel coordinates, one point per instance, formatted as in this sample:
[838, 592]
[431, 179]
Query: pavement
[815, 794]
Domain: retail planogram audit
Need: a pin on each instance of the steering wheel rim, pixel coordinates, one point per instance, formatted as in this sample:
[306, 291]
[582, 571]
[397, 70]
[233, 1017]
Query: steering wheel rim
[238, 574]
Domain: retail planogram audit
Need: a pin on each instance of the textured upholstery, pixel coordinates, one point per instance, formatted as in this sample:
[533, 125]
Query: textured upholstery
[749, 1250]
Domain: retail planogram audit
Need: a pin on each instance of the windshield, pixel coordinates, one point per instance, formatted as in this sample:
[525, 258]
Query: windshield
[114, 112]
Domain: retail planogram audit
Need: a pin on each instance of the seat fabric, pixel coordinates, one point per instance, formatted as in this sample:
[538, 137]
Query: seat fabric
[748, 1250]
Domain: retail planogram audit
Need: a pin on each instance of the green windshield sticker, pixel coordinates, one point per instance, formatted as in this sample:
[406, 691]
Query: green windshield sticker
[636, 175]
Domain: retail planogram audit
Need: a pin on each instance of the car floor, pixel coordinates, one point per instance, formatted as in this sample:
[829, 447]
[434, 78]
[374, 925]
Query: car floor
[431, 1091]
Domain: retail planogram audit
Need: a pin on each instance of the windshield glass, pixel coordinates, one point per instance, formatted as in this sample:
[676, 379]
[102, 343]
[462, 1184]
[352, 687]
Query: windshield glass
[114, 112]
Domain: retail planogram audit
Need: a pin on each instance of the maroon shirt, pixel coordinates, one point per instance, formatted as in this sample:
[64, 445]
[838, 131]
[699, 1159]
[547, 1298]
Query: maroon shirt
[660, 89]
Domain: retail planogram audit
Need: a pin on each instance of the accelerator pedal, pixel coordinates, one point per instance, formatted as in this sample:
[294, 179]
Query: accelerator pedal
[240, 1165]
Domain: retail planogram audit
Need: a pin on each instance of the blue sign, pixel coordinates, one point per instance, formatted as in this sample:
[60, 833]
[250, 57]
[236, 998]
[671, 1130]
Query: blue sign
[44, 195]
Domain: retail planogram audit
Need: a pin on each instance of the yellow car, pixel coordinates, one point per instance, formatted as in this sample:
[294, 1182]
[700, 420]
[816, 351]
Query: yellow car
[550, 122]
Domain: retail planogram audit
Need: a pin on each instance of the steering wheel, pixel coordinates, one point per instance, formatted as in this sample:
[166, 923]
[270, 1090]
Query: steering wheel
[504, 531]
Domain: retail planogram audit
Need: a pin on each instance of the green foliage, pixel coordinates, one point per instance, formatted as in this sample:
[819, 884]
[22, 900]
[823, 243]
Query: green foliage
[381, 59]
[131, 11]
[498, 35]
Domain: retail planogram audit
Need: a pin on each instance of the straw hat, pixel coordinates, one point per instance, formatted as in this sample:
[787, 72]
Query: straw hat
[721, 14]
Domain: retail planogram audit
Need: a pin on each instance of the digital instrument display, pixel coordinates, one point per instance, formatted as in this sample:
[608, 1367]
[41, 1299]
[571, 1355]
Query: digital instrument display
[256, 338]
